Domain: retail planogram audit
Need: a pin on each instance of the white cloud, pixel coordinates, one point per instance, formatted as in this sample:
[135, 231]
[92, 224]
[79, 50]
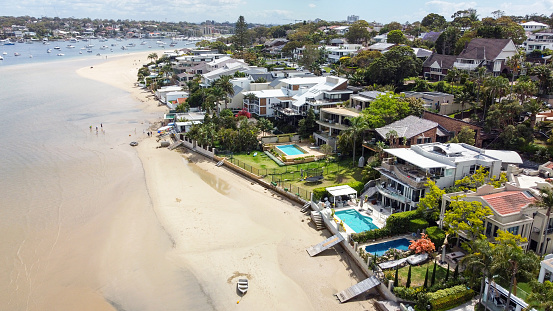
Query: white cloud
[312, 5]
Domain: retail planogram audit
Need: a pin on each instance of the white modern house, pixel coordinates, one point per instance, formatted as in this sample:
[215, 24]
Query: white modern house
[546, 269]
[297, 95]
[532, 26]
[405, 172]
[539, 41]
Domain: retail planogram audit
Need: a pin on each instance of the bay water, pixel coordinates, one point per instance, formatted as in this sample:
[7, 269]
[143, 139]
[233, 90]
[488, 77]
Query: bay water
[77, 228]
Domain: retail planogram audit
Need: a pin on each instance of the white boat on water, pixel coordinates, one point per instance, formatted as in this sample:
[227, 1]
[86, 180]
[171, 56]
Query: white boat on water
[70, 46]
[1, 57]
[5, 53]
[57, 48]
[242, 285]
[49, 51]
[143, 43]
[16, 54]
[61, 54]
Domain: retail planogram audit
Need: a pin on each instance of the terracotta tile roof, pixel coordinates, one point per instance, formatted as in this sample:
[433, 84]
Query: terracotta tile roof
[550, 165]
[508, 202]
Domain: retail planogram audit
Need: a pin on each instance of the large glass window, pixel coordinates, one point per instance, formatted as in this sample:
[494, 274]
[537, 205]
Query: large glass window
[513, 230]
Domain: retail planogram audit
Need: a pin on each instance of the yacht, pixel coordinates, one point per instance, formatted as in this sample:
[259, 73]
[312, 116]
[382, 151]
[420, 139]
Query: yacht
[57, 48]
[16, 54]
[1, 57]
[61, 54]
[70, 46]
[49, 51]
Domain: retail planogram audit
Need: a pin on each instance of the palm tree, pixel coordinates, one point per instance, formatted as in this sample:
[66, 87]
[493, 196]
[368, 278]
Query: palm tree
[545, 201]
[479, 261]
[514, 63]
[463, 98]
[533, 106]
[228, 88]
[357, 126]
[525, 89]
[495, 87]
[264, 125]
[510, 261]
[153, 56]
[216, 94]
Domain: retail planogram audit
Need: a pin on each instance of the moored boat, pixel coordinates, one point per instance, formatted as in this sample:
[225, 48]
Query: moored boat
[242, 285]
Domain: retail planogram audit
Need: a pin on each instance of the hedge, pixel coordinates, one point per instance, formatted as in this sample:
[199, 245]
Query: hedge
[446, 292]
[319, 193]
[398, 223]
[408, 293]
[417, 224]
[370, 235]
[451, 301]
[436, 235]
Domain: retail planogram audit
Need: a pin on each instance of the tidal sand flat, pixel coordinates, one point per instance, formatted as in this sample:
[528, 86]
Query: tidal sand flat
[89, 223]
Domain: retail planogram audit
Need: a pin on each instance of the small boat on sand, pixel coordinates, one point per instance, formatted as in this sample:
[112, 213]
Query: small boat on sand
[242, 285]
[134, 143]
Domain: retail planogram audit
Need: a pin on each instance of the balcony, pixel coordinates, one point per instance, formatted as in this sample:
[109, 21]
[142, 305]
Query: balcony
[464, 66]
[392, 193]
[332, 124]
[408, 174]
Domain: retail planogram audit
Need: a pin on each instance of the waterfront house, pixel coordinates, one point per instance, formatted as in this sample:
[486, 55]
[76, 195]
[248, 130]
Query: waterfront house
[411, 130]
[436, 66]
[405, 171]
[444, 103]
[512, 209]
[332, 121]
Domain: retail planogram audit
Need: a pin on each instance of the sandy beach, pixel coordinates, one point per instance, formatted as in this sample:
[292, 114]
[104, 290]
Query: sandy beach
[224, 227]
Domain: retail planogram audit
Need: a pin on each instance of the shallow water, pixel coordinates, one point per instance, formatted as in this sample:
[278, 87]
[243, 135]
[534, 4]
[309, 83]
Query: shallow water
[77, 229]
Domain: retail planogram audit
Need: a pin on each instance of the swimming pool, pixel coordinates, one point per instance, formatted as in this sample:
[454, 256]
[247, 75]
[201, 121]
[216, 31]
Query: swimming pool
[290, 150]
[381, 248]
[356, 221]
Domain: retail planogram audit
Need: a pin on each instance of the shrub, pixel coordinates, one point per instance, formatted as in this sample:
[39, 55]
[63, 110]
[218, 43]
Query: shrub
[319, 193]
[436, 235]
[398, 223]
[407, 293]
[451, 301]
[417, 224]
[446, 292]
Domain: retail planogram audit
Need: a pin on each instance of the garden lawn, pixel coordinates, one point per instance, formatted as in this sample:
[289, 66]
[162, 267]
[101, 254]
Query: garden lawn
[418, 273]
[334, 173]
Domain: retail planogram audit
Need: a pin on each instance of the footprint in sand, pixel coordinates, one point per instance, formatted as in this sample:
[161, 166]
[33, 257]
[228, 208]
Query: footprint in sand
[178, 200]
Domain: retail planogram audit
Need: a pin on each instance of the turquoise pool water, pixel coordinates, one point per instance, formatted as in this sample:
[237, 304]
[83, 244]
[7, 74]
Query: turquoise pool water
[381, 248]
[290, 150]
[355, 220]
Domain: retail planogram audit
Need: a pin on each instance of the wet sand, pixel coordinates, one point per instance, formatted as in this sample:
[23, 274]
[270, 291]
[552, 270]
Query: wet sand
[223, 227]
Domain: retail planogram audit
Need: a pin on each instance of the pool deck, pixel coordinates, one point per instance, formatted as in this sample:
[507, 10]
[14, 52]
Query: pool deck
[307, 147]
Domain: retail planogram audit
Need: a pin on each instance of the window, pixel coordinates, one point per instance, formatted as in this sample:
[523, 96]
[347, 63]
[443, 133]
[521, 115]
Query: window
[513, 230]
[489, 229]
[472, 169]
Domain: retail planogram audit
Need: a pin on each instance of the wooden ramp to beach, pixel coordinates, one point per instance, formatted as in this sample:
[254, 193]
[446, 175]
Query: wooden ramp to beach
[357, 289]
[324, 245]
[175, 144]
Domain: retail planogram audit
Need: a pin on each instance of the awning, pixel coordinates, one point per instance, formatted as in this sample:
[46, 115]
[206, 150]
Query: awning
[341, 190]
[506, 156]
[416, 159]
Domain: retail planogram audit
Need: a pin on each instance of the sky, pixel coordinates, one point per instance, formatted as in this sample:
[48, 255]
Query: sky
[266, 12]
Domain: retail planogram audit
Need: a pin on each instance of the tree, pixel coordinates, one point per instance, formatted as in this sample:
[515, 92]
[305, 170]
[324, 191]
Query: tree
[433, 279]
[408, 283]
[395, 36]
[434, 21]
[545, 78]
[525, 89]
[445, 44]
[480, 177]
[422, 245]
[533, 106]
[430, 204]
[357, 32]
[357, 126]
[152, 56]
[541, 296]
[478, 263]
[264, 125]
[466, 135]
[425, 285]
[394, 66]
[385, 109]
[308, 125]
[465, 216]
[226, 86]
[312, 58]
[241, 37]
[510, 261]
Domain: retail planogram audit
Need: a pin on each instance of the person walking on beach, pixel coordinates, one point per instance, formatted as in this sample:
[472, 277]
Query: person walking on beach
[101, 125]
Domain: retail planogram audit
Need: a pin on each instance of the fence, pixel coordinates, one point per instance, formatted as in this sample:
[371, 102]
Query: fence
[282, 178]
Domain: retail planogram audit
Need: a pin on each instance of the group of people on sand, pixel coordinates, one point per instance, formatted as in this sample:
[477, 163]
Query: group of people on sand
[101, 128]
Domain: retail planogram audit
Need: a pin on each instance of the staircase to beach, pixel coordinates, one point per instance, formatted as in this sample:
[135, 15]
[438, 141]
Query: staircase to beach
[317, 220]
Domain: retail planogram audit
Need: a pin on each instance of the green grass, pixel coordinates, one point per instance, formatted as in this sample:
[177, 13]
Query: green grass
[327, 69]
[418, 273]
[334, 172]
